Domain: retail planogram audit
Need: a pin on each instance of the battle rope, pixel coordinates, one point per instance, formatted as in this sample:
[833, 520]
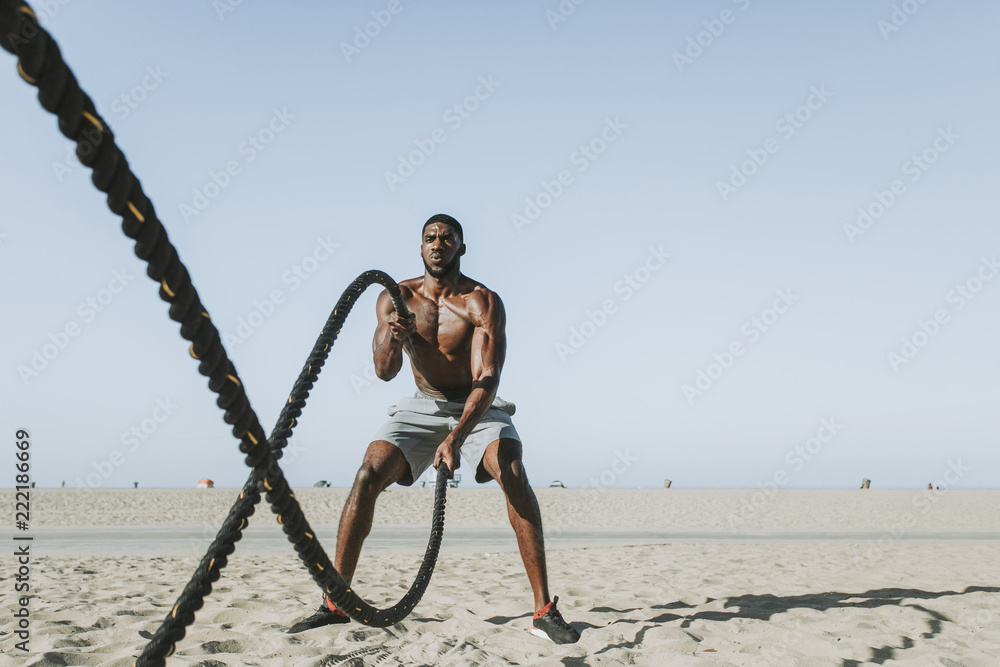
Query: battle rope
[172, 629]
[40, 63]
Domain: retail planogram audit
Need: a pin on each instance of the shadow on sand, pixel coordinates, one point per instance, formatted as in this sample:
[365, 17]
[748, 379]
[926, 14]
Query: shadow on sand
[763, 607]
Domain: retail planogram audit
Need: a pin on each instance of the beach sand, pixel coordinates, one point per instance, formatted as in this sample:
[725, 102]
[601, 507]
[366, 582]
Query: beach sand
[649, 577]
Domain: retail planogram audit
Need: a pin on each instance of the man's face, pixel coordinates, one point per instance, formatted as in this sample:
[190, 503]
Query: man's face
[440, 249]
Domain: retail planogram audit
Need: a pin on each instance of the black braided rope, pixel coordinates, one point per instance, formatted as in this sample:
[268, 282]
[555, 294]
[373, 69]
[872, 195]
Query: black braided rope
[40, 63]
[173, 627]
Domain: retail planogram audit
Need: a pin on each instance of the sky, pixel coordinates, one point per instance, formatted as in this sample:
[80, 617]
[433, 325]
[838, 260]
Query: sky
[740, 243]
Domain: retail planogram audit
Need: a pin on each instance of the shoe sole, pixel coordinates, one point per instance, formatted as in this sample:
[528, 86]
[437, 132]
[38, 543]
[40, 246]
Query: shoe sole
[544, 635]
[296, 629]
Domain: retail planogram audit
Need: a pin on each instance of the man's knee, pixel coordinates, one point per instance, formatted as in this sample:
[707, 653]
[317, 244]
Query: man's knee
[384, 464]
[508, 467]
[369, 480]
[507, 452]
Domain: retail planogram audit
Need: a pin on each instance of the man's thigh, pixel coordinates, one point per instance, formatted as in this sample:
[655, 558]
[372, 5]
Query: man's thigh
[386, 461]
[416, 438]
[493, 429]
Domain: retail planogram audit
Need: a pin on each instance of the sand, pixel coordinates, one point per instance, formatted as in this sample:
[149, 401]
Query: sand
[649, 577]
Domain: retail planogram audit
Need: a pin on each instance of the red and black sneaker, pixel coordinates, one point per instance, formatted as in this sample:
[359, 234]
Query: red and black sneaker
[548, 624]
[327, 614]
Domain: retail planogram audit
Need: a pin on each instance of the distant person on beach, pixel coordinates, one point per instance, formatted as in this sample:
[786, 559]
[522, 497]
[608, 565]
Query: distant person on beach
[456, 342]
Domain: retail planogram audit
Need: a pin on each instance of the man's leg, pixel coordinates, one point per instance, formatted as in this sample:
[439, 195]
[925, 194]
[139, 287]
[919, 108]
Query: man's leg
[502, 461]
[383, 465]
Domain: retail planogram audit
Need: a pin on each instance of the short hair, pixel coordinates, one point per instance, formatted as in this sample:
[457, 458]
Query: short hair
[445, 220]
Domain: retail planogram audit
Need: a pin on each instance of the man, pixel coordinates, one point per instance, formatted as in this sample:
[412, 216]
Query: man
[456, 343]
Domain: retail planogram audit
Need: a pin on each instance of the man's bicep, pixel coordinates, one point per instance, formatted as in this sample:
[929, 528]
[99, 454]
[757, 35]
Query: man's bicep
[383, 307]
[489, 341]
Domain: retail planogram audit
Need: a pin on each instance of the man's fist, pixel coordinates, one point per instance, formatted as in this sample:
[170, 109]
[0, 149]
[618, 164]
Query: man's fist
[447, 453]
[401, 327]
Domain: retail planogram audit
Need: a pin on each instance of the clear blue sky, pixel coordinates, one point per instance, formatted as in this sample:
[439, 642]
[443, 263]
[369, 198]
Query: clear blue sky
[648, 186]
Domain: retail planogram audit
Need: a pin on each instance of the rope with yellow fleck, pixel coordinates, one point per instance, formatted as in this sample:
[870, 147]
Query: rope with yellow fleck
[40, 64]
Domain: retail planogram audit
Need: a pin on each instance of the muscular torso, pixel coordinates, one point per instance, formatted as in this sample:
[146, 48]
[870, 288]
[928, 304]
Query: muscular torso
[440, 350]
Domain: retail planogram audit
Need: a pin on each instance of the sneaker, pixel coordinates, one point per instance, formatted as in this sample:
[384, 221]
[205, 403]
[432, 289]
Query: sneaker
[549, 624]
[327, 614]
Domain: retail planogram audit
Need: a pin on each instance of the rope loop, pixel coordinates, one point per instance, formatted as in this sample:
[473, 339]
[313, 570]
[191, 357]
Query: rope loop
[40, 64]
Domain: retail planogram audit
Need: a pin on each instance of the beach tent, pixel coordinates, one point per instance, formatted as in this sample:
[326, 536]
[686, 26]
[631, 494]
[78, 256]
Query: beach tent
[205, 484]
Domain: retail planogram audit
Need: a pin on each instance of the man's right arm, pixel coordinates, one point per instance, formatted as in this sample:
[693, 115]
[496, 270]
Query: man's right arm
[392, 330]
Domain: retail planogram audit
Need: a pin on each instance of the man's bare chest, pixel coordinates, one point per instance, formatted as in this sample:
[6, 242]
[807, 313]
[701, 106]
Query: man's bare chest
[445, 326]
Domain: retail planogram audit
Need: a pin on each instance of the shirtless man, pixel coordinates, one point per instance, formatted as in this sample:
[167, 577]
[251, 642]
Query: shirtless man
[456, 343]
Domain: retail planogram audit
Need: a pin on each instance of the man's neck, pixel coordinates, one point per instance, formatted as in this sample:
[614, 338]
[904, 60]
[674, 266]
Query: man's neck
[446, 285]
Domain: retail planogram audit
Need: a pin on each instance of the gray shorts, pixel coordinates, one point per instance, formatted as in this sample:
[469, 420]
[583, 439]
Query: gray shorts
[418, 426]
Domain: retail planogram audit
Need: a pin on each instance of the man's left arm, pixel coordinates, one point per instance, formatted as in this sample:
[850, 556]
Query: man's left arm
[489, 348]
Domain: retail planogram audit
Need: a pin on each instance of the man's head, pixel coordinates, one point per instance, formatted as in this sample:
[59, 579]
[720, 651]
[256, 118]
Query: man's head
[444, 219]
[441, 245]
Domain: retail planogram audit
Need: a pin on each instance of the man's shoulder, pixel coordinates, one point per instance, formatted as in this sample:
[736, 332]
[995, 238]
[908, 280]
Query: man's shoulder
[480, 293]
[406, 287]
[411, 284]
[471, 291]
[484, 305]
